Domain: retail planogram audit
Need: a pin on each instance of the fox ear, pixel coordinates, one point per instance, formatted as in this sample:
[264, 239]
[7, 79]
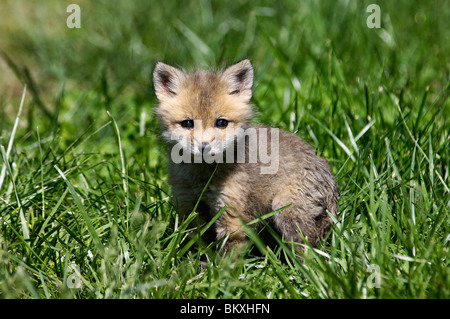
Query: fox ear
[167, 80]
[239, 77]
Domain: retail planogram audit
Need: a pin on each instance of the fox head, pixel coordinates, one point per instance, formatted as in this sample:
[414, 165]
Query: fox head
[203, 111]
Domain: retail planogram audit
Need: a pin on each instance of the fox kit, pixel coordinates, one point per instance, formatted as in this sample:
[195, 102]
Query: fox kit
[257, 170]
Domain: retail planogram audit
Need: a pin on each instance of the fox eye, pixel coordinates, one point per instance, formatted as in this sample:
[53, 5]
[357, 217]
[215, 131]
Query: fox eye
[221, 123]
[187, 124]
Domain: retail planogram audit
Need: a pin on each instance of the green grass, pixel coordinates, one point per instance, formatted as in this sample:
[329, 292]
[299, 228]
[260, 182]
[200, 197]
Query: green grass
[85, 184]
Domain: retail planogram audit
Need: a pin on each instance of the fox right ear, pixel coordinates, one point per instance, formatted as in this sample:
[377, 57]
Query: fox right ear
[167, 80]
[239, 77]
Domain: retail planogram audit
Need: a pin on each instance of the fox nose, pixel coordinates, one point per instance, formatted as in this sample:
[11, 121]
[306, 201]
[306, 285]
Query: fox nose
[205, 146]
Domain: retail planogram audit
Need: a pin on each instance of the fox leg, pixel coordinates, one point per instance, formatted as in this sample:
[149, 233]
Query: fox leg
[303, 220]
[230, 224]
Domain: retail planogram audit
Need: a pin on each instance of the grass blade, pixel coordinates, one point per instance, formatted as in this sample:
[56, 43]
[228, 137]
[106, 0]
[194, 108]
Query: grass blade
[83, 212]
[23, 222]
[122, 160]
[340, 143]
[11, 139]
[201, 232]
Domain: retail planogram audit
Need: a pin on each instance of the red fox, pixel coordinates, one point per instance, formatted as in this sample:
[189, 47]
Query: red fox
[206, 119]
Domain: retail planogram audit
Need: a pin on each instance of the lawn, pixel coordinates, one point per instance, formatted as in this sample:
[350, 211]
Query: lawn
[85, 207]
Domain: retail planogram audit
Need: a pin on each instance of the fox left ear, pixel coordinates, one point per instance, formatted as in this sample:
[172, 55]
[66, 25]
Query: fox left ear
[167, 80]
[239, 77]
